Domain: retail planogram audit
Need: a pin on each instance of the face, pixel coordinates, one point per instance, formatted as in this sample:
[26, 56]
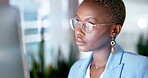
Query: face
[100, 35]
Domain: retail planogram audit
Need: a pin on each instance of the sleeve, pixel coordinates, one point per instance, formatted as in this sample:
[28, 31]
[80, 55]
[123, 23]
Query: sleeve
[143, 69]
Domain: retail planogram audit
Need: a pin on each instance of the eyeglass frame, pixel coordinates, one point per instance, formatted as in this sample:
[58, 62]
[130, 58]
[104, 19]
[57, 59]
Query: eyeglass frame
[92, 25]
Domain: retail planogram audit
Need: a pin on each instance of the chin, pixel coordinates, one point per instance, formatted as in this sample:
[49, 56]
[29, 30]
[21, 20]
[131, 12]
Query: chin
[83, 49]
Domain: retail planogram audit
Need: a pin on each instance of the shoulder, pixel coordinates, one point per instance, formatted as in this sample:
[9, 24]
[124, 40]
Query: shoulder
[78, 63]
[134, 57]
[75, 67]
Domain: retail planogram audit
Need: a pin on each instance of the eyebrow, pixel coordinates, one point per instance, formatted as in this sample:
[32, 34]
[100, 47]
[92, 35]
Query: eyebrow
[88, 18]
[77, 15]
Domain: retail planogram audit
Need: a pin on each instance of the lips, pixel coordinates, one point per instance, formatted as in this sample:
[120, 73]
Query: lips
[80, 42]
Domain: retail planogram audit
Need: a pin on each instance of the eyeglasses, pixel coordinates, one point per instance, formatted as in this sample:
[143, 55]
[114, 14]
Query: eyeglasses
[86, 27]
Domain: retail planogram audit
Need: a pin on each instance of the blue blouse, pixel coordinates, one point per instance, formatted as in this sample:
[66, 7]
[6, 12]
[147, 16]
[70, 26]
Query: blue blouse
[120, 65]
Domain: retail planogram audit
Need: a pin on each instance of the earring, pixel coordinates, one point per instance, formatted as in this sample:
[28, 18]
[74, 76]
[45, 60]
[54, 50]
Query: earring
[113, 51]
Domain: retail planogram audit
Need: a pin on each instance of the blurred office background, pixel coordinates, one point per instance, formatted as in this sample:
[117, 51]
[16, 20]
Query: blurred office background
[36, 40]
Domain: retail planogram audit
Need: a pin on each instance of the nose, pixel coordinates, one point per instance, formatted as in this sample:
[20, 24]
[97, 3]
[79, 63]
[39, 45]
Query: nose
[79, 32]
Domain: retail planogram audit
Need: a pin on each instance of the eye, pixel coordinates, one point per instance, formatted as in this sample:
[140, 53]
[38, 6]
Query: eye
[87, 24]
[77, 20]
[91, 23]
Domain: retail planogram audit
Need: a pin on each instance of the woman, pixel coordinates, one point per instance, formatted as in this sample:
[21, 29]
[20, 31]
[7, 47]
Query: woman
[96, 26]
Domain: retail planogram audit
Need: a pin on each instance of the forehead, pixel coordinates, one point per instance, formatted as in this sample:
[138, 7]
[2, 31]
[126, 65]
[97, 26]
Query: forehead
[93, 9]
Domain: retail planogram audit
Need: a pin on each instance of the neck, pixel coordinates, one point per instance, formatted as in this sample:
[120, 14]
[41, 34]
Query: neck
[101, 56]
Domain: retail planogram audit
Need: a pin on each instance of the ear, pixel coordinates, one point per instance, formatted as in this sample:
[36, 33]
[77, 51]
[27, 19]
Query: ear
[115, 30]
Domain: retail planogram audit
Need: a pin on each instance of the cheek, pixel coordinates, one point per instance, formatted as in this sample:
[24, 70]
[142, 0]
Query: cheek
[100, 34]
[99, 38]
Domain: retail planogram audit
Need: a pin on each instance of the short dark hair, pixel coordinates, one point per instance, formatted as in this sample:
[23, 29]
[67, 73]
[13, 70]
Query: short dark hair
[116, 8]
